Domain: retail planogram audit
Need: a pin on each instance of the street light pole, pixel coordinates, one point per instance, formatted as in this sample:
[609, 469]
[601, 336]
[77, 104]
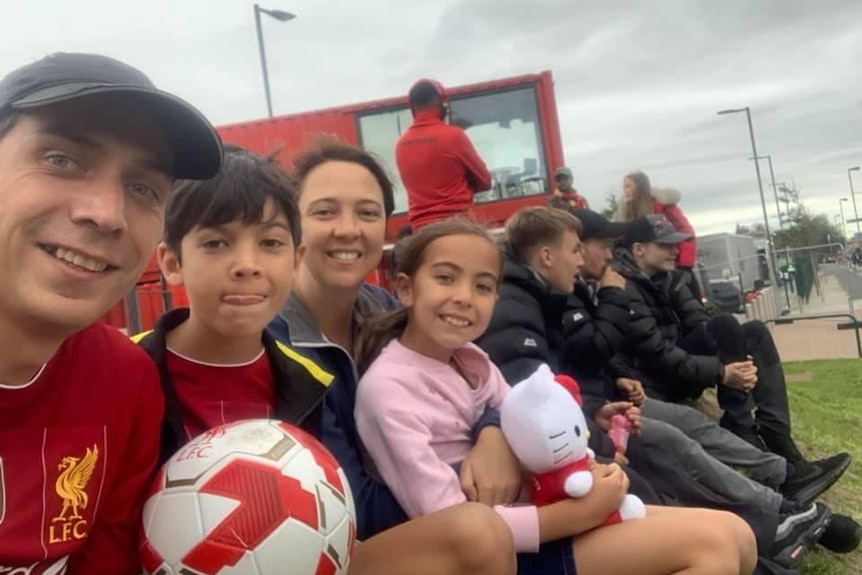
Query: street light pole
[774, 190]
[843, 221]
[853, 194]
[769, 243]
[281, 16]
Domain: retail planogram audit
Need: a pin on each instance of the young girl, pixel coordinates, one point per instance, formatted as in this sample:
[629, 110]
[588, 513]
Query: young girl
[641, 199]
[419, 398]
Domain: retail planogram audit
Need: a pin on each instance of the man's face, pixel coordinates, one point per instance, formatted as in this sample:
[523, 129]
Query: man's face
[653, 257]
[564, 183]
[597, 256]
[562, 263]
[83, 186]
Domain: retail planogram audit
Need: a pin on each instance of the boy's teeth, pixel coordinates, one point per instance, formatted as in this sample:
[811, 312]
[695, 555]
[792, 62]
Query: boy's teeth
[345, 255]
[80, 260]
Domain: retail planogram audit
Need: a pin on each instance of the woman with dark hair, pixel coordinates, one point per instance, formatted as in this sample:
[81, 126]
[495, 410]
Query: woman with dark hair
[345, 197]
[641, 199]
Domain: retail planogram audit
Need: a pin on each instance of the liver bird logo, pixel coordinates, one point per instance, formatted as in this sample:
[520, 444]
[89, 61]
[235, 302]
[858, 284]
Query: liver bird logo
[71, 486]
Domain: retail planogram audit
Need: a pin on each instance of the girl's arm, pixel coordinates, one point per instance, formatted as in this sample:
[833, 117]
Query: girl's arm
[398, 440]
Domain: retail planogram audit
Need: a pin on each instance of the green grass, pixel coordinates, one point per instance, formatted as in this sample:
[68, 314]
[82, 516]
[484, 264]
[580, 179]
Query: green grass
[827, 418]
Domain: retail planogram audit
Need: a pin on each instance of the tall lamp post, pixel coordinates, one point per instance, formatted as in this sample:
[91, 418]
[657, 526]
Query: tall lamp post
[281, 16]
[853, 194]
[843, 221]
[774, 189]
[769, 244]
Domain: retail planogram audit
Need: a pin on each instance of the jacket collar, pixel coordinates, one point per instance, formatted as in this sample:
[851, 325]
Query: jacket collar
[427, 118]
[303, 330]
[300, 384]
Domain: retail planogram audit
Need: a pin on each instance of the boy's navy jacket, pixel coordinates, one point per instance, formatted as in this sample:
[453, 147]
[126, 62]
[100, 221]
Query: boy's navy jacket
[376, 507]
[300, 384]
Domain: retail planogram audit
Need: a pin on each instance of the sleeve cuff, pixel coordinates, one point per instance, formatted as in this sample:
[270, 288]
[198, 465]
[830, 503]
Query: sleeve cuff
[523, 521]
[491, 417]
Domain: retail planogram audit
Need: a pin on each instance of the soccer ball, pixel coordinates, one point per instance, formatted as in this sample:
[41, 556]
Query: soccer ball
[256, 497]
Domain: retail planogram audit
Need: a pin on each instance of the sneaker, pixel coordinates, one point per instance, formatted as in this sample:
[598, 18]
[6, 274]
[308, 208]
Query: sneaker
[814, 478]
[842, 535]
[798, 532]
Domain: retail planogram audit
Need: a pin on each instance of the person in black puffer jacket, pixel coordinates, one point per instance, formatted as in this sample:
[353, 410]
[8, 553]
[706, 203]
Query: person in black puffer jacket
[677, 351]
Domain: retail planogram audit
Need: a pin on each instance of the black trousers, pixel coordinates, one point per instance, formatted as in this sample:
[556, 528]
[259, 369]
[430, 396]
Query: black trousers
[765, 408]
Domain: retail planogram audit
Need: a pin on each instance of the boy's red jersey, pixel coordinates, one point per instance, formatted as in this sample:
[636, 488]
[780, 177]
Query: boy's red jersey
[78, 449]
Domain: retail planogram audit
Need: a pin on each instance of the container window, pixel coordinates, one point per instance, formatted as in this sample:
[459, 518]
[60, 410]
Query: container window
[504, 128]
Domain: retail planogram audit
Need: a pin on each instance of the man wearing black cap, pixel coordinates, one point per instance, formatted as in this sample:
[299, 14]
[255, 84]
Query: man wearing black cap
[438, 164]
[677, 351]
[89, 151]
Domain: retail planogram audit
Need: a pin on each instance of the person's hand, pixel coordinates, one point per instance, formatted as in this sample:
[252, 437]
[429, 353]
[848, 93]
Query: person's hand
[634, 390]
[610, 278]
[610, 485]
[620, 459]
[572, 516]
[741, 375]
[608, 410]
[491, 474]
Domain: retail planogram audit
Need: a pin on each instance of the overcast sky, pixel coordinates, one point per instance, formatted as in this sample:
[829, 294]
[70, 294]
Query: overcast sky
[637, 83]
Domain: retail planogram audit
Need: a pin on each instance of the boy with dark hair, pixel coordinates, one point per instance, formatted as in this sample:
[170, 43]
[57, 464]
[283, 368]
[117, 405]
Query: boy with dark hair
[232, 242]
[89, 150]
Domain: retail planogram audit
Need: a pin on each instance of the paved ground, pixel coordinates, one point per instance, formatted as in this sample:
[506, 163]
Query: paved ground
[821, 338]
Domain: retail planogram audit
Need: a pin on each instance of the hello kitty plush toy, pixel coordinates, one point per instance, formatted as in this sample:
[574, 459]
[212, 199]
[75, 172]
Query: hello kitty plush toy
[545, 426]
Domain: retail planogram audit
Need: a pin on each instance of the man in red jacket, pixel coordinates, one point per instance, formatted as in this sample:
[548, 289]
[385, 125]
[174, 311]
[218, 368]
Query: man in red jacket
[438, 164]
[566, 190]
[89, 150]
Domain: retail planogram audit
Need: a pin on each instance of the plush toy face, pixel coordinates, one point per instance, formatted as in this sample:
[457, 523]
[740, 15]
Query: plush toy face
[543, 423]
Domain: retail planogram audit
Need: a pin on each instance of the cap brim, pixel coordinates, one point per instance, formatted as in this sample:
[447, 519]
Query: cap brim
[196, 146]
[673, 239]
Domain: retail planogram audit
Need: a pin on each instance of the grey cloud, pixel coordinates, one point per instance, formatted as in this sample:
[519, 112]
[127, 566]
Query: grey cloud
[637, 83]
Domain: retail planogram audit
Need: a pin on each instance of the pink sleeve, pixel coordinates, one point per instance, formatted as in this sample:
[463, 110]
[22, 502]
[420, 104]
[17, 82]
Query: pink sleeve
[498, 388]
[687, 249]
[390, 425]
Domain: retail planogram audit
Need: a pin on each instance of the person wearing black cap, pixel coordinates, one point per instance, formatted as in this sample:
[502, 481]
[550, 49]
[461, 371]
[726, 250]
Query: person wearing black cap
[677, 351]
[438, 165]
[596, 325]
[89, 151]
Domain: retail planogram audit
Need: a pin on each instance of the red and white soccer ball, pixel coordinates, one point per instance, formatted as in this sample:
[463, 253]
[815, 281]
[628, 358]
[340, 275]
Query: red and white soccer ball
[256, 497]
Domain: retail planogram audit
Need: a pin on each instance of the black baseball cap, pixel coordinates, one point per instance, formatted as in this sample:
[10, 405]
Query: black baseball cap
[596, 226]
[63, 76]
[655, 228]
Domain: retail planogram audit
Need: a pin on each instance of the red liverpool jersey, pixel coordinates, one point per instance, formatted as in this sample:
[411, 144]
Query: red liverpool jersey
[212, 395]
[78, 448]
